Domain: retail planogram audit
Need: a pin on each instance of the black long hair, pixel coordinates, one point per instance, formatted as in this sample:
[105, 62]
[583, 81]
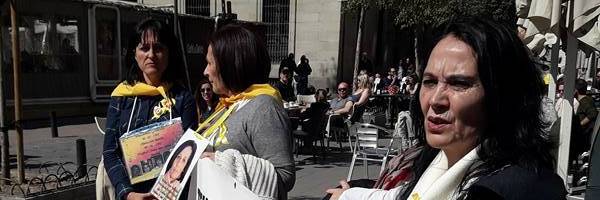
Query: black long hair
[241, 57]
[189, 143]
[164, 34]
[513, 88]
[201, 104]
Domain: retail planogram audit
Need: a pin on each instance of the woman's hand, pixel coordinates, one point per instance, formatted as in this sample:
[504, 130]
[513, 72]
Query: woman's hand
[337, 192]
[140, 196]
[210, 155]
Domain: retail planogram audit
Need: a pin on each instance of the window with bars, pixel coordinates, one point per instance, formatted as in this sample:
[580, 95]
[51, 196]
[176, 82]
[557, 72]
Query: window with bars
[197, 7]
[276, 16]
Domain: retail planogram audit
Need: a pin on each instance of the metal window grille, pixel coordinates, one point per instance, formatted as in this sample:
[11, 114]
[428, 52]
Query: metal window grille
[197, 7]
[276, 16]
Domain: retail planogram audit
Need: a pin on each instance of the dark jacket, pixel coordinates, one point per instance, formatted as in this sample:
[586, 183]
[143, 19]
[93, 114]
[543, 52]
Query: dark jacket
[286, 91]
[515, 182]
[119, 111]
[289, 63]
[303, 69]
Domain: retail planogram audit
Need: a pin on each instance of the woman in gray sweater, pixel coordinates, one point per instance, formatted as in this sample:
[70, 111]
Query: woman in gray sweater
[249, 130]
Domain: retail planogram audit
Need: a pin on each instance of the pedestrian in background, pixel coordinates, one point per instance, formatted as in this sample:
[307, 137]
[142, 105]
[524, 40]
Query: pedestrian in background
[206, 99]
[303, 70]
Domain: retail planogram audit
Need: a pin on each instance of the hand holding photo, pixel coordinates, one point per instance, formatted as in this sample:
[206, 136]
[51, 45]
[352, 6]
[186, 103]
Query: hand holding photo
[145, 149]
[176, 172]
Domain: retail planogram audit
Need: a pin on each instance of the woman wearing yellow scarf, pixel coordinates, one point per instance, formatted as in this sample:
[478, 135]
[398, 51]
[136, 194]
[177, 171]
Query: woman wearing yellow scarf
[149, 94]
[250, 119]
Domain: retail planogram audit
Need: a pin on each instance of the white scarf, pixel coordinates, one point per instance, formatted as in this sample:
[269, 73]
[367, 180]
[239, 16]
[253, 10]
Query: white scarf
[439, 182]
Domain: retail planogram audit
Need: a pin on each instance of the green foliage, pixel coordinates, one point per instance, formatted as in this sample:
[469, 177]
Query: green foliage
[432, 13]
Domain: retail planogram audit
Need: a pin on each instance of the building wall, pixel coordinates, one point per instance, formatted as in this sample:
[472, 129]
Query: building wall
[247, 10]
[317, 35]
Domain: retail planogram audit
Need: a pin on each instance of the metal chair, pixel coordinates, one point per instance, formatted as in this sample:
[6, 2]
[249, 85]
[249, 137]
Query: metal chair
[104, 188]
[349, 127]
[366, 147]
[100, 124]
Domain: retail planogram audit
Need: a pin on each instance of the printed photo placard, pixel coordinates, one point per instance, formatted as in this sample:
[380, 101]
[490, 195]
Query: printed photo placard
[178, 167]
[145, 149]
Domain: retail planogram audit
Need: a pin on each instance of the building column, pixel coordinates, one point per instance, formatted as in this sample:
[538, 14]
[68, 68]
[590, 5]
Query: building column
[292, 26]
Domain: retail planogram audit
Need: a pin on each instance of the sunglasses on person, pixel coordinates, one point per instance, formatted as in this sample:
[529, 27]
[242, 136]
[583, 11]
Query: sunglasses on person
[342, 89]
[205, 90]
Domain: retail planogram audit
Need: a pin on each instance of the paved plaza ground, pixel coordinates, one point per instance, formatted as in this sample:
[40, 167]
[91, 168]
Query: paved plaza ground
[41, 150]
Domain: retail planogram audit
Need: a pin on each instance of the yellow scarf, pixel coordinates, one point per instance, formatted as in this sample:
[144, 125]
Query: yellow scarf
[142, 89]
[249, 93]
[209, 127]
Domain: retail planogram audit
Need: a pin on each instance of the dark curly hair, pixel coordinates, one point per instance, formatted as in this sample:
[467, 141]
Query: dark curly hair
[513, 92]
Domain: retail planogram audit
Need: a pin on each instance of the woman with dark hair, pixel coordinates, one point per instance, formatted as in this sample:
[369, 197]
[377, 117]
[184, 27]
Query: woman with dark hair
[150, 93]
[170, 184]
[206, 99]
[478, 116]
[249, 124]
[412, 83]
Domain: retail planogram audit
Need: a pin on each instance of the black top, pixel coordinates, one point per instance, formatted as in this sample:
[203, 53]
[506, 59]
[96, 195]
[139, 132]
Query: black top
[586, 109]
[365, 64]
[286, 90]
[303, 69]
[515, 182]
[289, 63]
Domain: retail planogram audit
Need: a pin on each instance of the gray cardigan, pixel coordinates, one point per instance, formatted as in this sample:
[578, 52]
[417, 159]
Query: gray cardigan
[262, 128]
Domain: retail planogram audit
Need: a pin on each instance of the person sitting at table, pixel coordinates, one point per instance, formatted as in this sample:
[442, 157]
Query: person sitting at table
[412, 82]
[284, 85]
[312, 117]
[363, 91]
[340, 107]
[342, 104]
[391, 79]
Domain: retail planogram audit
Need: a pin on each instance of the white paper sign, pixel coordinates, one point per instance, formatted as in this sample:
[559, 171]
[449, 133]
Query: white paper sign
[215, 184]
[178, 167]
